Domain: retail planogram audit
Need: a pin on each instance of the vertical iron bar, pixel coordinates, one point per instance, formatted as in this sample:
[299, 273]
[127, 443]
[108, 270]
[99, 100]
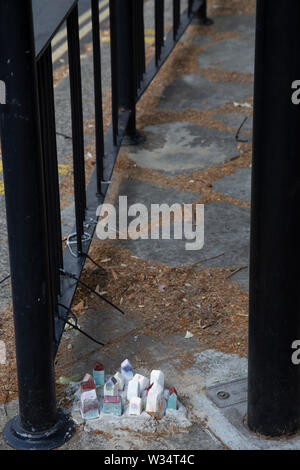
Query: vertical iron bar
[203, 10]
[38, 426]
[202, 14]
[274, 320]
[141, 40]
[159, 29]
[137, 42]
[176, 18]
[114, 33]
[77, 123]
[98, 94]
[129, 56]
[143, 46]
[46, 100]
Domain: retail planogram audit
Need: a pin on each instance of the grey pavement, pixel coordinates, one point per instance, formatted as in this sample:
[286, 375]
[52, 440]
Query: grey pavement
[173, 149]
[236, 185]
[176, 148]
[231, 54]
[196, 92]
[181, 147]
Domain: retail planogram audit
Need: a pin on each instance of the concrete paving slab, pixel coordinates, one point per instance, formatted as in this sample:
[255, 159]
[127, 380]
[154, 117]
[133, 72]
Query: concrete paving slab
[201, 39]
[242, 24]
[180, 342]
[231, 54]
[236, 185]
[235, 120]
[214, 366]
[198, 93]
[227, 230]
[148, 351]
[181, 147]
[105, 324]
[197, 438]
[147, 193]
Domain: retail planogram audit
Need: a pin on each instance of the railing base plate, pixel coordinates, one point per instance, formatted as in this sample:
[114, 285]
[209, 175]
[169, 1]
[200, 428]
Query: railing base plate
[15, 436]
[202, 21]
[135, 139]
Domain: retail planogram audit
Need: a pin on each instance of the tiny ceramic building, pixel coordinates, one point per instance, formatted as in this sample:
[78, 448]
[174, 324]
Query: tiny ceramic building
[112, 405]
[127, 370]
[99, 374]
[133, 389]
[111, 387]
[88, 383]
[89, 405]
[120, 379]
[155, 399]
[172, 399]
[157, 376]
[143, 381]
[135, 406]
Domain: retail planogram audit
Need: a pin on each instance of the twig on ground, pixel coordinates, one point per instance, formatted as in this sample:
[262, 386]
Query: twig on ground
[207, 259]
[236, 271]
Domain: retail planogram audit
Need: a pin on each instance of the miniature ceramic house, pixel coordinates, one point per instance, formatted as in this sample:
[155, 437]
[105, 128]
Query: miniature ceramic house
[157, 376]
[120, 379]
[145, 394]
[111, 388]
[149, 388]
[143, 382]
[112, 405]
[89, 405]
[87, 377]
[135, 406]
[99, 374]
[133, 389]
[127, 371]
[172, 399]
[88, 383]
[155, 399]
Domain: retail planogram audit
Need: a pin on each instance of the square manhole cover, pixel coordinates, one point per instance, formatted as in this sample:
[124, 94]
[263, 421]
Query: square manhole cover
[228, 393]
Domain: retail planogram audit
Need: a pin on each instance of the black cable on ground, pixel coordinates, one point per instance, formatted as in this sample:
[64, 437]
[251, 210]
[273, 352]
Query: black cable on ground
[81, 253]
[5, 279]
[237, 136]
[76, 327]
[72, 276]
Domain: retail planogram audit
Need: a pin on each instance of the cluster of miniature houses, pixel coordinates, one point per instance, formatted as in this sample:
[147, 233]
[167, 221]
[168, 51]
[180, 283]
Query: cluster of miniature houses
[125, 387]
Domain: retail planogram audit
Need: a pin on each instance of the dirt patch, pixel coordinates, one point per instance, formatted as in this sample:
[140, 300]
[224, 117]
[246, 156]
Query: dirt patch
[8, 371]
[170, 299]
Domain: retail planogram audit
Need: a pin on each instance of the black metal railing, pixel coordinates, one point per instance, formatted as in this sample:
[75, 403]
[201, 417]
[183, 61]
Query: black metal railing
[41, 292]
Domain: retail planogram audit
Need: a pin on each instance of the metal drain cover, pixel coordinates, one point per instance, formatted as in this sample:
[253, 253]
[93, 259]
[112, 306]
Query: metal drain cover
[228, 393]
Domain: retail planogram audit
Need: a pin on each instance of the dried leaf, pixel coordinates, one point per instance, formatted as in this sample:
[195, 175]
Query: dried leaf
[188, 335]
[115, 276]
[79, 306]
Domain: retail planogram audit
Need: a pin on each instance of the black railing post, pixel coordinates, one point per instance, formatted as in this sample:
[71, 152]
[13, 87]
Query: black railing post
[38, 426]
[202, 15]
[274, 316]
[127, 52]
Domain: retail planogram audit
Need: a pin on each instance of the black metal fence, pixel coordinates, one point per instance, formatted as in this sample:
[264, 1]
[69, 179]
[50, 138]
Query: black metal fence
[42, 293]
